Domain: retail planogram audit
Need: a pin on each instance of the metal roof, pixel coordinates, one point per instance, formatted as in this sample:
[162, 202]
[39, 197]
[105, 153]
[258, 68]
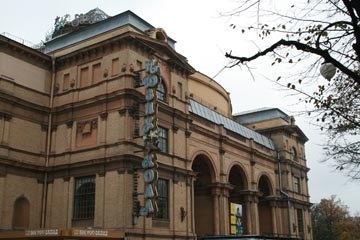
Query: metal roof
[204, 112]
[258, 115]
[106, 25]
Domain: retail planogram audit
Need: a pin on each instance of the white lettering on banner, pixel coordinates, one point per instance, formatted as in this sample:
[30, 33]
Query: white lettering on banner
[148, 125]
[149, 192]
[85, 19]
[90, 232]
[149, 94]
[149, 175]
[150, 130]
[42, 232]
[149, 108]
[151, 67]
[149, 206]
[147, 162]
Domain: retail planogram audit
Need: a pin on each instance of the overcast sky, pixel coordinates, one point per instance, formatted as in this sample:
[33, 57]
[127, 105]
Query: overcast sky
[203, 37]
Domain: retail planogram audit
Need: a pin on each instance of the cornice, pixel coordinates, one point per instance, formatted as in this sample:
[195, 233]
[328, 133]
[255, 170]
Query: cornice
[98, 99]
[25, 53]
[290, 129]
[145, 43]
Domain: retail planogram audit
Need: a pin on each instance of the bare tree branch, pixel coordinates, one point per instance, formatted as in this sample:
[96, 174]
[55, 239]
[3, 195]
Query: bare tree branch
[303, 47]
[330, 31]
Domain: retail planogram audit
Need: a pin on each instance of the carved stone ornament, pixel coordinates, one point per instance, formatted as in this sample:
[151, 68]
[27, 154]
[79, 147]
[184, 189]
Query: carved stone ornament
[87, 126]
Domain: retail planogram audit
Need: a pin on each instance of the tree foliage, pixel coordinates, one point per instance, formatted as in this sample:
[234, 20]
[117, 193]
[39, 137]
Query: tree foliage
[314, 32]
[331, 221]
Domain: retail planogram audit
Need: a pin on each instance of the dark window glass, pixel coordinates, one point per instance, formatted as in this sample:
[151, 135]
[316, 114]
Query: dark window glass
[161, 92]
[84, 198]
[293, 154]
[297, 184]
[163, 199]
[300, 221]
[163, 139]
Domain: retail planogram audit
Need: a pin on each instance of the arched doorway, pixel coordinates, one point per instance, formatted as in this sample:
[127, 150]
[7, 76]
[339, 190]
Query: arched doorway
[264, 208]
[238, 218]
[21, 213]
[203, 200]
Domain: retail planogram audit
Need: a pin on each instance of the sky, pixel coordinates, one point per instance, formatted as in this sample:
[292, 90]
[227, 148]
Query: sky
[203, 36]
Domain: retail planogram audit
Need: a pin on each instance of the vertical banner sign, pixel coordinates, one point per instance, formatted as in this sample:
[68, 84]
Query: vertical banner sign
[236, 227]
[150, 133]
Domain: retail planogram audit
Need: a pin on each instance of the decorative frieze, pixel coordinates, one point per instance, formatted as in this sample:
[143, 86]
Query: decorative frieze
[86, 127]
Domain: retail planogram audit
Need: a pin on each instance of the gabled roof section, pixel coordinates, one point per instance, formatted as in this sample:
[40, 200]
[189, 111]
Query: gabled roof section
[157, 47]
[266, 114]
[174, 57]
[262, 114]
[290, 129]
[109, 24]
[206, 113]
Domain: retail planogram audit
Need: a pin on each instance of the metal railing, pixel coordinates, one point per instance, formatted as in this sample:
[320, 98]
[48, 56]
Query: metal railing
[22, 41]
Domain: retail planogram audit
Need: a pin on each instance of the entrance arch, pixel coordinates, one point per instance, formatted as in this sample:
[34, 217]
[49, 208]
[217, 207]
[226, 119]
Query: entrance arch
[203, 199]
[264, 207]
[21, 213]
[238, 206]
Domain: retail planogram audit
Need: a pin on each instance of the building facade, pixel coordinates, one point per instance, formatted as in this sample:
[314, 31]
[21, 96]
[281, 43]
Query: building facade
[72, 143]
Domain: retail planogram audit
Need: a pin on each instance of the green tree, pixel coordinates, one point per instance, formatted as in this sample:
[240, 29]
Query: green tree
[316, 34]
[331, 221]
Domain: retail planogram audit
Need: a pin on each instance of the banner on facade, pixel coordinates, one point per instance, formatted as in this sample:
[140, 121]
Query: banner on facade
[236, 227]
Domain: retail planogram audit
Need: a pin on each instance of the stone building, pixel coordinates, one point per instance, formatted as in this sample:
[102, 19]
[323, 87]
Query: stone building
[72, 146]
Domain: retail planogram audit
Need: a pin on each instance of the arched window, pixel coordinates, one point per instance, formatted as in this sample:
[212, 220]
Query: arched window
[161, 92]
[21, 213]
[264, 186]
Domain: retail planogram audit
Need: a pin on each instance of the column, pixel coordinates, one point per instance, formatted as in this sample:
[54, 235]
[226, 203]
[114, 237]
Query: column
[192, 200]
[273, 215]
[215, 193]
[256, 226]
[249, 229]
[102, 128]
[252, 214]
[225, 211]
[5, 132]
[5, 127]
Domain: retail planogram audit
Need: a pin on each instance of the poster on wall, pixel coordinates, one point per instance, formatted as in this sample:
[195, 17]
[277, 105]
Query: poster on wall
[236, 227]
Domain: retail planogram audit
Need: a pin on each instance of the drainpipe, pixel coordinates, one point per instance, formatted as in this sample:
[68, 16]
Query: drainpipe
[48, 147]
[282, 193]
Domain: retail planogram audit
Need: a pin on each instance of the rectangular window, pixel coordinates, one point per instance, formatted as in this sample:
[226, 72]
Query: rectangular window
[163, 199]
[96, 73]
[84, 77]
[296, 184]
[84, 198]
[161, 92]
[300, 221]
[138, 74]
[180, 90]
[139, 67]
[66, 82]
[163, 139]
[115, 67]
